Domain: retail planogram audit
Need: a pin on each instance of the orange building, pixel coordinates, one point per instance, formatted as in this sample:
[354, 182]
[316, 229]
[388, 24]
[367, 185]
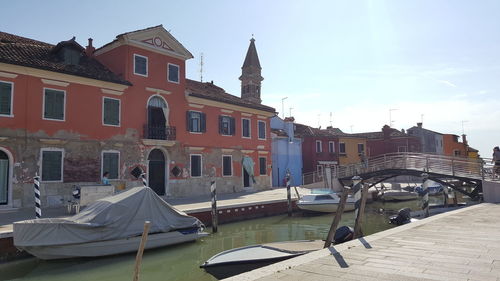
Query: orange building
[71, 113]
[453, 147]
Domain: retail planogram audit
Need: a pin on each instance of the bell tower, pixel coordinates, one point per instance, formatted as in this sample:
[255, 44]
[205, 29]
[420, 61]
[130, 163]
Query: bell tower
[251, 78]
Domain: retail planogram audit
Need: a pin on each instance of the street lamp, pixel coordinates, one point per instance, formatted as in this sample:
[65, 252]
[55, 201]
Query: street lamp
[283, 107]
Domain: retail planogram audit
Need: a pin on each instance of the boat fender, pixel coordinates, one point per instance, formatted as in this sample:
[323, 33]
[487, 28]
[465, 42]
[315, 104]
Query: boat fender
[402, 217]
[343, 234]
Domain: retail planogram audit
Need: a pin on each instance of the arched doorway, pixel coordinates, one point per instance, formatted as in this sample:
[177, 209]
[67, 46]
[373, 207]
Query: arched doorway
[4, 178]
[157, 118]
[156, 170]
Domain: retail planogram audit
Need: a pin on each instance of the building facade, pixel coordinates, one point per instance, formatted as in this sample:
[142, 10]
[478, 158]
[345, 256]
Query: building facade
[69, 114]
[390, 140]
[432, 142]
[286, 151]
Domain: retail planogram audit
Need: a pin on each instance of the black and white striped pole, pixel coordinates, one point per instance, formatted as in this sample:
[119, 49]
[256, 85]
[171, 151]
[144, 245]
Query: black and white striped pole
[425, 197]
[359, 204]
[213, 191]
[38, 207]
[288, 193]
[144, 181]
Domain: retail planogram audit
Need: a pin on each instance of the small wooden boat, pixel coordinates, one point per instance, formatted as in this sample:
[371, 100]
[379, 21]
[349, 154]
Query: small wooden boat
[239, 260]
[325, 203]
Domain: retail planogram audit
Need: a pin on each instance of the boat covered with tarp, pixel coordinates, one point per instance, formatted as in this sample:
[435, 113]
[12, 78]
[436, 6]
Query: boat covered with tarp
[112, 225]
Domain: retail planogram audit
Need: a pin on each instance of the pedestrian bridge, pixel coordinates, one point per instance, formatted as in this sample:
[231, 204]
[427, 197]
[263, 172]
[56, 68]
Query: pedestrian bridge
[463, 174]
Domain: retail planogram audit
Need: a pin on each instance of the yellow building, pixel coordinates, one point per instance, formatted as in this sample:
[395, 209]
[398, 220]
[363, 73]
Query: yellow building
[350, 149]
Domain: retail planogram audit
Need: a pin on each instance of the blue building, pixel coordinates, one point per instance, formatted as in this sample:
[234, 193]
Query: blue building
[286, 151]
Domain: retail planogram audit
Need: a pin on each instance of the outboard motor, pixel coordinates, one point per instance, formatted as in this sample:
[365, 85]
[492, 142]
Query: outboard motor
[343, 234]
[403, 217]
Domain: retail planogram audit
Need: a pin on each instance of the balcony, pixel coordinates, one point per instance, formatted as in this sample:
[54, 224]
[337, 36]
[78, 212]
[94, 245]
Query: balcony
[159, 132]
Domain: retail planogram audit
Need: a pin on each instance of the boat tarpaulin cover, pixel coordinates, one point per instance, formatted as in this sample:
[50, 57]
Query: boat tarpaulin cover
[115, 217]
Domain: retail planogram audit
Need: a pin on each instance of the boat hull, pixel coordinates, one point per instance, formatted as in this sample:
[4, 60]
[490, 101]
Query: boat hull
[324, 207]
[110, 247]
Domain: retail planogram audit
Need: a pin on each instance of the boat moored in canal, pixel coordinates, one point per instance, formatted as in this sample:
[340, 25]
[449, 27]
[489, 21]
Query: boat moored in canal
[239, 260]
[324, 203]
[109, 226]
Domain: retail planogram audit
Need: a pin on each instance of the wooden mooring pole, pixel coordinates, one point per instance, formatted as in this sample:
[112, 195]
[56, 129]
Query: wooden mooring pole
[138, 258]
[215, 220]
[336, 219]
[360, 194]
[288, 194]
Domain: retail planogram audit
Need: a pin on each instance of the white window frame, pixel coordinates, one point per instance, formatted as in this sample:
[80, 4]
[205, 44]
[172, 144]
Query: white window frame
[231, 165]
[102, 163]
[147, 66]
[331, 146]
[190, 166]
[249, 128]
[119, 112]
[11, 99]
[64, 105]
[41, 162]
[263, 157]
[320, 146]
[265, 130]
[178, 73]
[229, 128]
[196, 132]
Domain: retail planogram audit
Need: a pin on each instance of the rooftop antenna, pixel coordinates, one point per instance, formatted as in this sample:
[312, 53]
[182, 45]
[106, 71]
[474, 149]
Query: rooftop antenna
[291, 111]
[201, 67]
[390, 116]
[463, 131]
[319, 120]
[331, 120]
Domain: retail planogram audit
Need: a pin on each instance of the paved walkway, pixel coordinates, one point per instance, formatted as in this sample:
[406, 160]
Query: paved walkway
[188, 205]
[459, 245]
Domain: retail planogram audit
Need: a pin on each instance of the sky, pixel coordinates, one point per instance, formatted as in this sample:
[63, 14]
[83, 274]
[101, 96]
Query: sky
[355, 65]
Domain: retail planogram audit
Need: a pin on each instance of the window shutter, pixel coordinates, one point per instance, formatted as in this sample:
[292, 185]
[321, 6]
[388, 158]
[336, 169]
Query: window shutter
[5, 98]
[220, 124]
[49, 104]
[51, 165]
[188, 121]
[233, 126]
[203, 122]
[114, 112]
[59, 105]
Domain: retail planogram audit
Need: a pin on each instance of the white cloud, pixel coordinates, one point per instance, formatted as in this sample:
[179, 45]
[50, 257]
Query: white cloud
[448, 83]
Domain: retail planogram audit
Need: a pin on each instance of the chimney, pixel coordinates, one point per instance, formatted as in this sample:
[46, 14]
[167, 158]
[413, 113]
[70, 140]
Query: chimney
[464, 139]
[419, 124]
[387, 131]
[89, 50]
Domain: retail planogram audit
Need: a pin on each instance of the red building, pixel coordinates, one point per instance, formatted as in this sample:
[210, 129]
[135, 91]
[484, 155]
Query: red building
[71, 113]
[390, 140]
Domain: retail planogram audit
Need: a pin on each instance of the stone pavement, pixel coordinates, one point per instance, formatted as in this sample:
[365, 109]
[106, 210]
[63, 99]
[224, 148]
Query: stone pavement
[459, 245]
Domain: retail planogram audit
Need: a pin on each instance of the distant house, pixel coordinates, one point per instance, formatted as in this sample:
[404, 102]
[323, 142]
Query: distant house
[390, 140]
[453, 147]
[351, 147]
[432, 142]
[286, 151]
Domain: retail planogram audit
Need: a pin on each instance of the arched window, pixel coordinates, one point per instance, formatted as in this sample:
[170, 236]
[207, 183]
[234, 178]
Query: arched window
[157, 112]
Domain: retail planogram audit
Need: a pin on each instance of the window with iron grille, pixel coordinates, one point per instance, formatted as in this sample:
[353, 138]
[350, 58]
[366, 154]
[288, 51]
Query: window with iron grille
[195, 165]
[262, 165]
[227, 165]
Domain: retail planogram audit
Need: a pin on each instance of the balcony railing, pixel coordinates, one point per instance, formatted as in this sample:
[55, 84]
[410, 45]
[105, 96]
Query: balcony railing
[159, 132]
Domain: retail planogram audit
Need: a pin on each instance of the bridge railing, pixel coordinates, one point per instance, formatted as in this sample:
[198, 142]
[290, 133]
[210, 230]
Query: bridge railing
[454, 166]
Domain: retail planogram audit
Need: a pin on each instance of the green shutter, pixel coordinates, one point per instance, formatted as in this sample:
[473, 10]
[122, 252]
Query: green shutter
[54, 104]
[51, 165]
[5, 98]
[203, 124]
[111, 112]
[232, 126]
[110, 163]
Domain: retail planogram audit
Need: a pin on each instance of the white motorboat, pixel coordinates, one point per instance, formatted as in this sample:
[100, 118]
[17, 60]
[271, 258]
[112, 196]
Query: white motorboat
[236, 261]
[325, 203]
[397, 195]
[109, 226]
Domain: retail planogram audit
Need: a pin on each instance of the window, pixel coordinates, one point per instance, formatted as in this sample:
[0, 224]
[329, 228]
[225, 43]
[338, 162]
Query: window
[52, 164]
[262, 166]
[227, 165]
[456, 152]
[53, 104]
[195, 165]
[342, 148]
[262, 130]
[140, 65]
[6, 98]
[226, 125]
[331, 146]
[245, 124]
[319, 147]
[196, 121]
[111, 164]
[361, 148]
[111, 112]
[173, 73]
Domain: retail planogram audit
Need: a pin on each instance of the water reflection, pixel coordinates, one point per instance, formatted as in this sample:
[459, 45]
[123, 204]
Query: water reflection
[181, 262]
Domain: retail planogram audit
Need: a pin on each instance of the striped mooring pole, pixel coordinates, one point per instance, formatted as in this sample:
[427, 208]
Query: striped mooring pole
[38, 208]
[425, 197]
[288, 193]
[213, 191]
[144, 181]
[359, 208]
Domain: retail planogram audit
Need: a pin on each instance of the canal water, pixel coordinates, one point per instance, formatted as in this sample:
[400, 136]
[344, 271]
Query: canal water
[181, 262]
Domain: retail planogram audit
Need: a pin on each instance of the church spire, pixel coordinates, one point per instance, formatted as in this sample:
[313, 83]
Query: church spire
[251, 75]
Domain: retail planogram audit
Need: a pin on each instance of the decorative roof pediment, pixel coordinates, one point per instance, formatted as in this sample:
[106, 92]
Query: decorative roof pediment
[155, 39]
